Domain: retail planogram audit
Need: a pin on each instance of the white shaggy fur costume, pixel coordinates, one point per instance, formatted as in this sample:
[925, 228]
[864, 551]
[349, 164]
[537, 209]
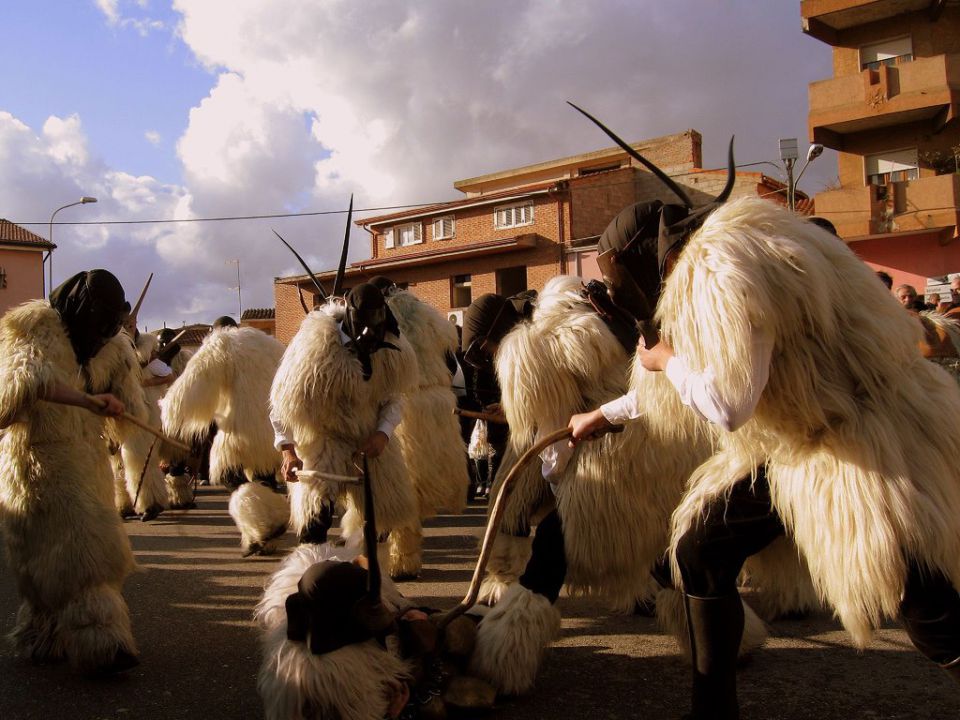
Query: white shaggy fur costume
[429, 435]
[860, 460]
[228, 381]
[320, 397]
[351, 683]
[66, 543]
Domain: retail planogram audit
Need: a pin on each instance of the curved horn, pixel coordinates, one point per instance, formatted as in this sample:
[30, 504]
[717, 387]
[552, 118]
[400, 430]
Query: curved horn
[342, 267]
[306, 267]
[143, 294]
[370, 536]
[177, 336]
[731, 175]
[664, 178]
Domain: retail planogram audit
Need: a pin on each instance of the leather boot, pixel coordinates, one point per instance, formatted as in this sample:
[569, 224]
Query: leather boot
[715, 626]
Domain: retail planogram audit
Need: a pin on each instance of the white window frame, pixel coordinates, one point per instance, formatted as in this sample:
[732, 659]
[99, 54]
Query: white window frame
[388, 240]
[891, 166]
[892, 51]
[438, 227]
[402, 240]
[514, 215]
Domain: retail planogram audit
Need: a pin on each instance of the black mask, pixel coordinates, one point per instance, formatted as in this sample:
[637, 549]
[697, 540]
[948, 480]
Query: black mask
[366, 322]
[92, 307]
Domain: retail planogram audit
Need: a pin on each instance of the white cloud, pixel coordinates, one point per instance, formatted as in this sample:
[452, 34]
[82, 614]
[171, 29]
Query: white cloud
[152, 137]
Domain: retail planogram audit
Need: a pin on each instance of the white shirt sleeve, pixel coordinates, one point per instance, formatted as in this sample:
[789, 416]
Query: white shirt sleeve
[391, 413]
[554, 459]
[698, 390]
[281, 436]
[622, 409]
[158, 368]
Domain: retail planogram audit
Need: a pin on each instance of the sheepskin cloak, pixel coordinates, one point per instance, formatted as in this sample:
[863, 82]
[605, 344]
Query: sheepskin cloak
[65, 541]
[860, 434]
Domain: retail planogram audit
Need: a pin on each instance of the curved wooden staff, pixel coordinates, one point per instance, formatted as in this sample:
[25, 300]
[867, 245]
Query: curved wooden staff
[149, 428]
[493, 524]
[473, 415]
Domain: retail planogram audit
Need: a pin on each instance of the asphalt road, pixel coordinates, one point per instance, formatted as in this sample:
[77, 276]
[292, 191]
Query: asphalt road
[192, 606]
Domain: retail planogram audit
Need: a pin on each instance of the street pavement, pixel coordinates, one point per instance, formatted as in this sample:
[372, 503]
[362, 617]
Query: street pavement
[193, 601]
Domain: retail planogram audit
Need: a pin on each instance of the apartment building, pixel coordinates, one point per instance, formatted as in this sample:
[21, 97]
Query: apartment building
[21, 265]
[890, 110]
[517, 228]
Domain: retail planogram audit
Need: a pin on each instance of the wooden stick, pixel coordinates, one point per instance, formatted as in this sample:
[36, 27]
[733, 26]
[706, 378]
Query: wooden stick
[493, 524]
[480, 416]
[150, 429]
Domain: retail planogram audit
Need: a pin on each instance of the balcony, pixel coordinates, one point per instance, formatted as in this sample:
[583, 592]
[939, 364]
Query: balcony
[925, 204]
[924, 90]
[824, 19]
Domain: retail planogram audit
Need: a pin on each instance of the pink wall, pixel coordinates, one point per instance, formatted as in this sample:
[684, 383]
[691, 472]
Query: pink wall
[24, 275]
[910, 259]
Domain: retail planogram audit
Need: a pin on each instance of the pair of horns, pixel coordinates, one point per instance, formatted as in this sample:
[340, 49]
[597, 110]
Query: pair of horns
[341, 268]
[663, 177]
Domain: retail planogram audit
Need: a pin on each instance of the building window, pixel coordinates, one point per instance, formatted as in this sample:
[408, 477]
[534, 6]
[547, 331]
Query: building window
[3, 279]
[888, 52]
[444, 228]
[388, 241]
[510, 216]
[894, 166]
[409, 234]
[511, 281]
[460, 291]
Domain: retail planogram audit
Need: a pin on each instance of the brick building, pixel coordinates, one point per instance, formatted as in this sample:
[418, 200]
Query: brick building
[517, 228]
[890, 110]
[262, 319]
[21, 265]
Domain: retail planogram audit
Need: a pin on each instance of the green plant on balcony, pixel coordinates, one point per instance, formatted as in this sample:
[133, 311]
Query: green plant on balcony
[942, 162]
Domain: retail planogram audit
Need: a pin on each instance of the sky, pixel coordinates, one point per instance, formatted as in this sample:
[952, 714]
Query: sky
[192, 109]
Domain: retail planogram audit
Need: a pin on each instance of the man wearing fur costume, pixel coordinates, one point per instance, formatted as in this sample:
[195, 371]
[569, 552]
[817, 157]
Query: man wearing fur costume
[338, 393]
[429, 433]
[63, 363]
[227, 382]
[340, 643]
[832, 433]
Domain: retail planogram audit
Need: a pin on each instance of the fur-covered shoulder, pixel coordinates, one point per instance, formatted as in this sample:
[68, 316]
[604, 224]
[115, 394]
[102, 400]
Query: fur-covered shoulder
[565, 360]
[431, 335]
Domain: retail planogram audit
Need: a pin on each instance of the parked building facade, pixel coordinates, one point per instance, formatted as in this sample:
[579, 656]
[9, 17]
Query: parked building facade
[21, 265]
[516, 229]
[890, 110]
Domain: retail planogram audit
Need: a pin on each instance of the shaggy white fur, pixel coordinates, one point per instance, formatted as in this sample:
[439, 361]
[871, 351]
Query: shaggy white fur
[350, 683]
[507, 562]
[228, 381]
[179, 490]
[260, 514]
[861, 455]
[319, 395]
[56, 482]
[511, 640]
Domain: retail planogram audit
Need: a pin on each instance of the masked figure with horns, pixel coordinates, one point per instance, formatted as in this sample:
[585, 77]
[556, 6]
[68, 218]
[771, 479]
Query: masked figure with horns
[63, 364]
[831, 432]
[338, 391]
[429, 434]
[228, 382]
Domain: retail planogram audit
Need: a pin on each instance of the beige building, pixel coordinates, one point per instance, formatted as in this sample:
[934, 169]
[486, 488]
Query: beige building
[515, 229]
[890, 110]
[21, 265]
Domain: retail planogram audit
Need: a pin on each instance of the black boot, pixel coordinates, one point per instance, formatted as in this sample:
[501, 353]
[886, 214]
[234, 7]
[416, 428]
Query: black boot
[716, 627]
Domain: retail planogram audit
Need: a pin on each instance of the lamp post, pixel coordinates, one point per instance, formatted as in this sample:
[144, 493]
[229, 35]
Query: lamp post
[82, 201]
[788, 156]
[239, 300]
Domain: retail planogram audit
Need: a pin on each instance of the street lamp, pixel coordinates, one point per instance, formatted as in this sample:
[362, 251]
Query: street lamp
[239, 301]
[82, 201]
[789, 156]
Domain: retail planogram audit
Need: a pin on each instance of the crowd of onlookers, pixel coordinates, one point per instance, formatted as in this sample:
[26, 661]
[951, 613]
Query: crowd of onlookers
[908, 297]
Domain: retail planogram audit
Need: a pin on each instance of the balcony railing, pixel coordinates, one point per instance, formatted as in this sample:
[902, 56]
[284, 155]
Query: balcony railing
[889, 62]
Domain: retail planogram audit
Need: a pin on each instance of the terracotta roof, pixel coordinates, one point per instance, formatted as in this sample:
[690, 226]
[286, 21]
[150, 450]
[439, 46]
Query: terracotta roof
[194, 335]
[12, 234]
[258, 314]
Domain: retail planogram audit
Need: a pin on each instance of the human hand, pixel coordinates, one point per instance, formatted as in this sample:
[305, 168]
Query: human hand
[398, 694]
[105, 404]
[654, 359]
[587, 426]
[291, 463]
[496, 411]
[374, 446]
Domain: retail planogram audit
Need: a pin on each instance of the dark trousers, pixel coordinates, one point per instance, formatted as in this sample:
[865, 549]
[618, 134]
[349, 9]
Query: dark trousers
[711, 554]
[547, 567]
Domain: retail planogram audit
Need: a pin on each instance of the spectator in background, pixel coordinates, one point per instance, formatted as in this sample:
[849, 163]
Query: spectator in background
[933, 302]
[885, 279]
[907, 296]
